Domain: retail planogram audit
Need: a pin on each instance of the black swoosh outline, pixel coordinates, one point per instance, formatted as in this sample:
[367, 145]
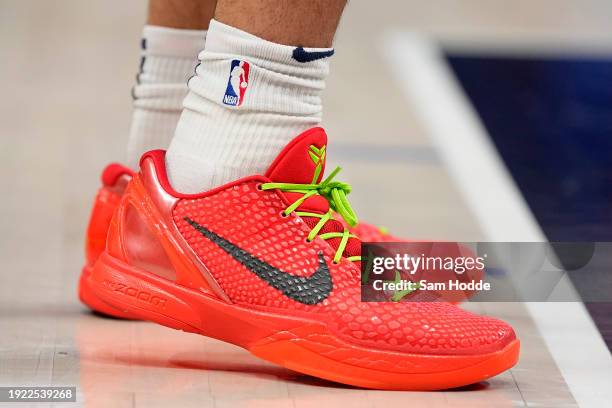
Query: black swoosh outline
[306, 290]
[301, 55]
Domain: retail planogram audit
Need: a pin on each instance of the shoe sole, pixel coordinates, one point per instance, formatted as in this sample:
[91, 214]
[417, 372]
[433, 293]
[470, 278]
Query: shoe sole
[91, 300]
[297, 343]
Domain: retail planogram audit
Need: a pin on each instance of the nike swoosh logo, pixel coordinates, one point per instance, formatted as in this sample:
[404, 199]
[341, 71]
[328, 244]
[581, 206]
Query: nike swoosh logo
[307, 290]
[301, 55]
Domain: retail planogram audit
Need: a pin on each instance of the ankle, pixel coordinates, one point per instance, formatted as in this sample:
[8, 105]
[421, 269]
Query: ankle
[249, 98]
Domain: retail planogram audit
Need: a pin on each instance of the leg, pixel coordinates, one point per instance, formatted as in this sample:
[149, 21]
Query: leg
[182, 14]
[256, 88]
[174, 34]
[310, 23]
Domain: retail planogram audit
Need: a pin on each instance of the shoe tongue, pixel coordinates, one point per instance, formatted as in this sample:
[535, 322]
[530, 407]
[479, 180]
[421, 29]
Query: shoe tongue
[302, 160]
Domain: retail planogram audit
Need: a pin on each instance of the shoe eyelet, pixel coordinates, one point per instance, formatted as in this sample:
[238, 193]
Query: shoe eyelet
[283, 215]
[258, 187]
[308, 241]
[336, 263]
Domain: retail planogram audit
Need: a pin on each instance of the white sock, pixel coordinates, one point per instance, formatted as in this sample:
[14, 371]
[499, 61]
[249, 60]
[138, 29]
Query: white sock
[221, 137]
[169, 57]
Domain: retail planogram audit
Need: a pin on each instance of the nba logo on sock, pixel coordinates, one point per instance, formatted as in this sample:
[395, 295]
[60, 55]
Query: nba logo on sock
[237, 83]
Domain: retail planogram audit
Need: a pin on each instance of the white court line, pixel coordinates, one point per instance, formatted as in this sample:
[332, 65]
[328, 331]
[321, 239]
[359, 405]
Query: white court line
[426, 80]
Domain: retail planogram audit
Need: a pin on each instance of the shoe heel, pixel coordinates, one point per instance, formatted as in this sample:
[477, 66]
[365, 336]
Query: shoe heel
[141, 294]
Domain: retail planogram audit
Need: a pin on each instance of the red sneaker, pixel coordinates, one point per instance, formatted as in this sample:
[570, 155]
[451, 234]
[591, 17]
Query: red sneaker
[115, 179]
[261, 263]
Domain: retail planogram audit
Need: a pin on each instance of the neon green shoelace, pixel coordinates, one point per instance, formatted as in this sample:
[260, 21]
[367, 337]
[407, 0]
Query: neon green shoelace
[335, 193]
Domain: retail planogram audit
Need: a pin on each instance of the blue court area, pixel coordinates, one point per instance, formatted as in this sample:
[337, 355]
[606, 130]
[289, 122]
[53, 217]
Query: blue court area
[551, 121]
